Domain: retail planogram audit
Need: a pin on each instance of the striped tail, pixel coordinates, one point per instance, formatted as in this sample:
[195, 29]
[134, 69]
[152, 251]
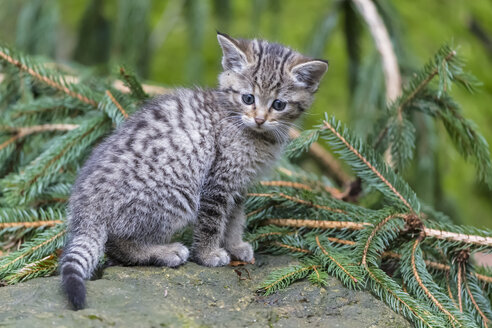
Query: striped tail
[79, 260]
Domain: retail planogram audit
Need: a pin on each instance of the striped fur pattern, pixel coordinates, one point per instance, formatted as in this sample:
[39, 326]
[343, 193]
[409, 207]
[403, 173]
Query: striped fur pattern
[187, 158]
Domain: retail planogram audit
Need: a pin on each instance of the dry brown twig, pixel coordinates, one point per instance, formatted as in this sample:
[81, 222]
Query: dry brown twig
[23, 131]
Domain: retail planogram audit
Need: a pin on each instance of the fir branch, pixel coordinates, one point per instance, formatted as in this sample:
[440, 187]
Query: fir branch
[43, 244]
[484, 318]
[4, 53]
[448, 286]
[292, 248]
[366, 170]
[420, 282]
[337, 263]
[297, 200]
[21, 132]
[425, 77]
[388, 290]
[49, 223]
[43, 267]
[373, 233]
[12, 219]
[117, 104]
[289, 184]
[29, 183]
[282, 278]
[132, 83]
[317, 224]
[458, 237]
[478, 298]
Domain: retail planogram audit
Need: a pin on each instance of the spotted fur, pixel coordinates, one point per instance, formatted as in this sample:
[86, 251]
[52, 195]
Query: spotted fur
[186, 158]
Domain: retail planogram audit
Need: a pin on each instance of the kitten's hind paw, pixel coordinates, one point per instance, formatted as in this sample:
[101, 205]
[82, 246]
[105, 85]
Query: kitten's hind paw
[214, 258]
[242, 252]
[171, 255]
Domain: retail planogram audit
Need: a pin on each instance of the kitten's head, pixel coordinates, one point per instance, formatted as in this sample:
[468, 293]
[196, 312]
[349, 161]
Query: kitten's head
[268, 85]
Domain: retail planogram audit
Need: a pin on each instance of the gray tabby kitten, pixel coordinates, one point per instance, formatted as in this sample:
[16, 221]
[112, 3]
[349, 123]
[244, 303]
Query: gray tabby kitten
[187, 158]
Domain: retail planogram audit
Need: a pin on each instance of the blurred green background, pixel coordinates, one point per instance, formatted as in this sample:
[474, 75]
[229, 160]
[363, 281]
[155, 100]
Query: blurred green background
[173, 43]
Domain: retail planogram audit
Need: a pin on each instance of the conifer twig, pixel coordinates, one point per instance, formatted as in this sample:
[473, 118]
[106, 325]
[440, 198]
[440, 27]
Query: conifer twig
[323, 250]
[460, 303]
[327, 125]
[289, 184]
[374, 232]
[117, 104]
[292, 248]
[422, 285]
[453, 236]
[47, 80]
[302, 269]
[371, 274]
[27, 130]
[484, 317]
[34, 224]
[317, 224]
[32, 250]
[297, 200]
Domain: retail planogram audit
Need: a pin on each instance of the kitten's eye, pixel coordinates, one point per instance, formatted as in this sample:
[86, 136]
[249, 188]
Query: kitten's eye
[278, 104]
[248, 99]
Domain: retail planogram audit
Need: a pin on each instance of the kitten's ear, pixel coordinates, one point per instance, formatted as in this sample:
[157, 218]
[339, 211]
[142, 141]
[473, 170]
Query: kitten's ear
[234, 57]
[309, 73]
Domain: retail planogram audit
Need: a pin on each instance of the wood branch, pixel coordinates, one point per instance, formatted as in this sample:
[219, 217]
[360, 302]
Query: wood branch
[54, 84]
[422, 285]
[317, 224]
[34, 224]
[118, 85]
[23, 131]
[368, 164]
[383, 44]
[453, 236]
[428, 232]
[388, 255]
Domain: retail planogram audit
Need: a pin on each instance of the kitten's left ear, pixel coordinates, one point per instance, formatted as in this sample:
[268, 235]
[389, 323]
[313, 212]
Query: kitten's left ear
[234, 57]
[308, 74]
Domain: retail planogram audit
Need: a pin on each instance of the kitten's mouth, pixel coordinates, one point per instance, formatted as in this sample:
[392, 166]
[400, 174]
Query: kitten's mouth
[251, 124]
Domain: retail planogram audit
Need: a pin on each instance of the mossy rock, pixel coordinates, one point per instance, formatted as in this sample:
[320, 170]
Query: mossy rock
[194, 296]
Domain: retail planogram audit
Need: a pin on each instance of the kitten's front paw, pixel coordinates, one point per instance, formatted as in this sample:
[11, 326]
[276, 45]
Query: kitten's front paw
[242, 252]
[214, 258]
[171, 255]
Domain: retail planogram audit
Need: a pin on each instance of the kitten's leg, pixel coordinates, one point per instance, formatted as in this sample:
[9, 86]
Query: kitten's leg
[233, 240]
[134, 253]
[209, 228]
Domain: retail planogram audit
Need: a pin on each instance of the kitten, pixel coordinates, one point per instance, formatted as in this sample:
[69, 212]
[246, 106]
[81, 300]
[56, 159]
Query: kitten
[187, 158]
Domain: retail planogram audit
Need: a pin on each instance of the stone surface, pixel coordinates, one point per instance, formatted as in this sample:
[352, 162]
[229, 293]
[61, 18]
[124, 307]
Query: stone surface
[194, 296]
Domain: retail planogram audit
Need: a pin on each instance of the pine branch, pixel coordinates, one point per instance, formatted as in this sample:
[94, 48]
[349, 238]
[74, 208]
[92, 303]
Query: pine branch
[132, 83]
[39, 74]
[40, 268]
[282, 278]
[317, 224]
[399, 300]
[366, 163]
[21, 188]
[420, 281]
[43, 244]
[337, 263]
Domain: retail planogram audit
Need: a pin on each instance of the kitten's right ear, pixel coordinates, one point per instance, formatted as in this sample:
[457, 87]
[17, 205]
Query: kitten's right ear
[233, 57]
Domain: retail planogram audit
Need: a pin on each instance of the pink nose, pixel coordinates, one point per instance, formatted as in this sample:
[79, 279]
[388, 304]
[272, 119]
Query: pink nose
[259, 120]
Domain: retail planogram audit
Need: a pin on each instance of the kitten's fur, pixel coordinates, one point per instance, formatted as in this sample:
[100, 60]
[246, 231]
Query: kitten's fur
[186, 158]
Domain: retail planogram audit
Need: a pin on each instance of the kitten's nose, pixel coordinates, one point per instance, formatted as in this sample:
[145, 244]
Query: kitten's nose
[259, 120]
